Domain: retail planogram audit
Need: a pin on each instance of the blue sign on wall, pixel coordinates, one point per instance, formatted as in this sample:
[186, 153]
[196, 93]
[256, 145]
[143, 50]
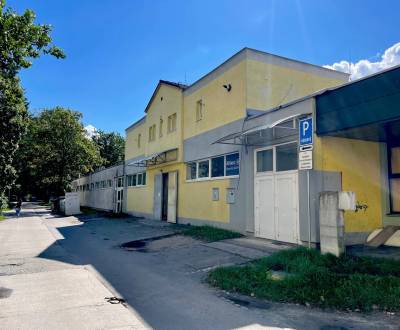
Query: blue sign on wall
[306, 131]
[232, 164]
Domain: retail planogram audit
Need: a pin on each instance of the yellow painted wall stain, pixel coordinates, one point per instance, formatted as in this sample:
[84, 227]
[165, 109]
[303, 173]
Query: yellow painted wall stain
[359, 163]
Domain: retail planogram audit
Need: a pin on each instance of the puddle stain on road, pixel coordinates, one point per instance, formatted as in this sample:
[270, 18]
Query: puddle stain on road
[5, 293]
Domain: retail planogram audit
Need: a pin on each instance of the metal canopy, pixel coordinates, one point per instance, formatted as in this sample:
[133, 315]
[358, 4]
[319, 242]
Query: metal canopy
[362, 109]
[263, 133]
[156, 159]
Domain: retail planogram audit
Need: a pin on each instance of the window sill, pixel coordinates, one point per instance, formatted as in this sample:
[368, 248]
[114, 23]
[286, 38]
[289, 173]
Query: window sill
[393, 214]
[141, 186]
[213, 179]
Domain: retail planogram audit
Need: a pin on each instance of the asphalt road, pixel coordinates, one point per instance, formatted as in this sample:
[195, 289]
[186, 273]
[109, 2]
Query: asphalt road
[163, 283]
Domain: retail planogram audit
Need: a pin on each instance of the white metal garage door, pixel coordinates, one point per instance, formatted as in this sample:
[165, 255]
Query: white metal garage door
[276, 193]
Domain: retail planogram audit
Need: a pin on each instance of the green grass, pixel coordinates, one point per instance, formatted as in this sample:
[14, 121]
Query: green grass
[210, 234]
[346, 283]
[88, 210]
[2, 217]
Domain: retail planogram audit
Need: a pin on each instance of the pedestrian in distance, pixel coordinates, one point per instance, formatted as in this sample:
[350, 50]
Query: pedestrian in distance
[18, 207]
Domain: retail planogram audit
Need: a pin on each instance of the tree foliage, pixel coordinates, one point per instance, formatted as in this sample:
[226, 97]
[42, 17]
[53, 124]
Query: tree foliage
[12, 125]
[111, 147]
[21, 40]
[55, 151]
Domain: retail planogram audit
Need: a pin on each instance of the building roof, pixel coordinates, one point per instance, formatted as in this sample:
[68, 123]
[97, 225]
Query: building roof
[164, 82]
[241, 54]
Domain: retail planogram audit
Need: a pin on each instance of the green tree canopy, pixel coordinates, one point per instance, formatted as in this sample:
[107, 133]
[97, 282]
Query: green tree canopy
[111, 147]
[21, 40]
[54, 151]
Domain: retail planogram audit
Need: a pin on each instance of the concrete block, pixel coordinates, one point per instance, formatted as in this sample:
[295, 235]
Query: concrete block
[331, 223]
[347, 201]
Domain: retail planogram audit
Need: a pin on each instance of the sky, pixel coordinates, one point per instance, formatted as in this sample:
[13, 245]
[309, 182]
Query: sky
[117, 51]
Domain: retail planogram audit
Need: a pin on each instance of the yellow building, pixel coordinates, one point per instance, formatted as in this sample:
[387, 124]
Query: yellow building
[174, 169]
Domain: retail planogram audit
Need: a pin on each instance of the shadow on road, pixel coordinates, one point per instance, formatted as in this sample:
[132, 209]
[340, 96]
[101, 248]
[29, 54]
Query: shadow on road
[165, 286]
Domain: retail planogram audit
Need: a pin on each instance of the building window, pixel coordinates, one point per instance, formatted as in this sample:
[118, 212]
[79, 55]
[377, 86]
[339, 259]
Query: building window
[161, 127]
[199, 110]
[286, 157]
[92, 186]
[172, 123]
[97, 185]
[204, 169]
[138, 140]
[279, 158]
[152, 133]
[394, 178]
[109, 183]
[135, 180]
[216, 167]
[265, 160]
[191, 171]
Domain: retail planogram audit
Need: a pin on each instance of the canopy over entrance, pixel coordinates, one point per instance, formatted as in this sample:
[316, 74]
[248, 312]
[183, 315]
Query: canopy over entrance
[156, 159]
[278, 124]
[367, 109]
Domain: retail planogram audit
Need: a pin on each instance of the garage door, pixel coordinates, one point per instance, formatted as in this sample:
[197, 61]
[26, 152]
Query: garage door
[276, 193]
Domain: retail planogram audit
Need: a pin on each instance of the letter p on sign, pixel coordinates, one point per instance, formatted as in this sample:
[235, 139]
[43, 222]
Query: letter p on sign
[306, 131]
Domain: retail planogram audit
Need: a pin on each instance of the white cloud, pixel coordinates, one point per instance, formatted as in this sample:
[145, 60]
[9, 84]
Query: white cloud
[362, 68]
[90, 131]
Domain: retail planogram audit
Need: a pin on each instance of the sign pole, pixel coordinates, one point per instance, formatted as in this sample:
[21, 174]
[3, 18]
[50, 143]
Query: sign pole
[306, 160]
[308, 209]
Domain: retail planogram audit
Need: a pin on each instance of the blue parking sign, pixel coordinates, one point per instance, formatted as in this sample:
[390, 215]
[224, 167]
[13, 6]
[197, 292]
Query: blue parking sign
[306, 131]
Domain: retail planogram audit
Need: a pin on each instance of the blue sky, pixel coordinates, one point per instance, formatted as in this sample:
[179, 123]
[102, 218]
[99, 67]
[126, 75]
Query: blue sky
[118, 50]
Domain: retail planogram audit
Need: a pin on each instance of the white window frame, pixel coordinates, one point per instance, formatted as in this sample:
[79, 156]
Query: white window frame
[273, 147]
[209, 177]
[137, 176]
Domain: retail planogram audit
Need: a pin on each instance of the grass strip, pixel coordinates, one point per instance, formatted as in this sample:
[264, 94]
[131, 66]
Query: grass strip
[210, 234]
[345, 283]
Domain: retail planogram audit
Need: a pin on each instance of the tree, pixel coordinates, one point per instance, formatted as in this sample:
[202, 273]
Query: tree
[111, 147]
[20, 41]
[12, 125]
[54, 151]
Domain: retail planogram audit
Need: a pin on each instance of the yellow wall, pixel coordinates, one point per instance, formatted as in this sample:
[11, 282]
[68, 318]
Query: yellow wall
[270, 85]
[220, 107]
[171, 103]
[255, 85]
[140, 199]
[194, 198]
[359, 163]
[131, 141]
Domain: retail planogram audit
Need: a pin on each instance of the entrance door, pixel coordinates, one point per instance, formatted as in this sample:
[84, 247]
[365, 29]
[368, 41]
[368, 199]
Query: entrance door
[172, 196]
[119, 189]
[164, 199]
[276, 193]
